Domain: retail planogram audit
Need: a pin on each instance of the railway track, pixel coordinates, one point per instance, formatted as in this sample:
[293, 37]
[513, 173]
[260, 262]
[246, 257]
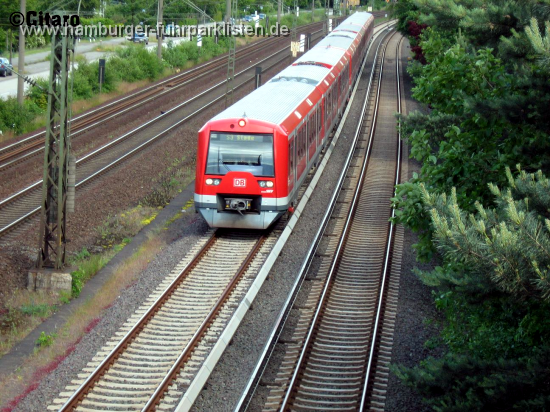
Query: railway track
[33, 145]
[22, 206]
[338, 355]
[154, 357]
[150, 359]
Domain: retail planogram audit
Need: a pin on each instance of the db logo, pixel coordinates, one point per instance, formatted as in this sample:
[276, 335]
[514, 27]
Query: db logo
[239, 182]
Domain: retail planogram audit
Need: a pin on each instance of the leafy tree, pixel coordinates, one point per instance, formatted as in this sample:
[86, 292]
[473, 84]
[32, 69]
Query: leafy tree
[486, 94]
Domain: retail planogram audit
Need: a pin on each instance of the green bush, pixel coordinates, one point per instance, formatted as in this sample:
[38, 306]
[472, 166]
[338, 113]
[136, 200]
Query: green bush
[14, 117]
[38, 94]
[86, 270]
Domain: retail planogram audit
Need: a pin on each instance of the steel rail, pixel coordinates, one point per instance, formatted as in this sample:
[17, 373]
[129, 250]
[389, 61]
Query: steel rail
[95, 376]
[280, 322]
[340, 247]
[78, 117]
[73, 401]
[389, 249]
[163, 87]
[35, 185]
[174, 370]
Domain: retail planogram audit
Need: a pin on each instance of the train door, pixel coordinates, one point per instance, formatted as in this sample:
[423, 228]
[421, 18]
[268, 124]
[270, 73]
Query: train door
[291, 164]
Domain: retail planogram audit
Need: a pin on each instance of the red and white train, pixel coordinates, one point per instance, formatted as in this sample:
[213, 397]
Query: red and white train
[253, 156]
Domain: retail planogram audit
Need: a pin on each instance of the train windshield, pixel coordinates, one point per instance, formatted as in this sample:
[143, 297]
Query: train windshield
[234, 152]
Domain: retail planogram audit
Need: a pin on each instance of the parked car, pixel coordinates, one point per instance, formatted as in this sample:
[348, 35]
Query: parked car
[139, 38]
[262, 16]
[247, 18]
[5, 67]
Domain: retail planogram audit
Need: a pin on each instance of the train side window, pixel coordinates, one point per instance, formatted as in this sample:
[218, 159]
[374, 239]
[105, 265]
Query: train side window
[310, 129]
[319, 120]
[291, 156]
[325, 109]
[301, 136]
[304, 140]
[298, 145]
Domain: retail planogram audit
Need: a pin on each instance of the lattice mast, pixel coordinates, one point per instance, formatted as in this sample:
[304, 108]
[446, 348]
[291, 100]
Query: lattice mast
[325, 26]
[294, 29]
[231, 56]
[53, 216]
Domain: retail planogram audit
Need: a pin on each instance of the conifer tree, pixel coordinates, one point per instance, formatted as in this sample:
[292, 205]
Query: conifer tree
[495, 294]
[509, 244]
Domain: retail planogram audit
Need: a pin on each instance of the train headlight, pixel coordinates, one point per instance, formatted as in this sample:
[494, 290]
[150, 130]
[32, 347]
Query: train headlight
[242, 122]
[262, 183]
[214, 182]
[269, 183]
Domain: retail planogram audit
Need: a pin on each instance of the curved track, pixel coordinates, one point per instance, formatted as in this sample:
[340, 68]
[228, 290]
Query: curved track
[20, 207]
[28, 147]
[339, 352]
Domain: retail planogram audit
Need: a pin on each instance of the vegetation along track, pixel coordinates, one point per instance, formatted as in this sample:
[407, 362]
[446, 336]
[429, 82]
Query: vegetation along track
[154, 355]
[33, 145]
[339, 351]
[23, 205]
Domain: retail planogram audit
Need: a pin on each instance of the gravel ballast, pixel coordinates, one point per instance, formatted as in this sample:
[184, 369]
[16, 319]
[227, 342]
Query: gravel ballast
[225, 385]
[224, 388]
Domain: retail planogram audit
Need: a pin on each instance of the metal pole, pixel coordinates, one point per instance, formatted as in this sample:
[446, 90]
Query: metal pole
[21, 59]
[325, 27]
[258, 77]
[159, 31]
[231, 59]
[228, 11]
[279, 11]
[11, 46]
[312, 10]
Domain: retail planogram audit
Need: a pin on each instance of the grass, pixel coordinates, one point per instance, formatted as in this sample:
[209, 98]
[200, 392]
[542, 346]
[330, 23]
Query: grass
[106, 48]
[16, 386]
[171, 182]
[381, 20]
[24, 311]
[80, 106]
[51, 350]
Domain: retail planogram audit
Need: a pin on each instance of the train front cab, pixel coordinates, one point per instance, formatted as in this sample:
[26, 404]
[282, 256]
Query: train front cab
[236, 184]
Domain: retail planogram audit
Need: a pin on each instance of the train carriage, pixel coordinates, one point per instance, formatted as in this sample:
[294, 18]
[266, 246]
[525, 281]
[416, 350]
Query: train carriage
[253, 156]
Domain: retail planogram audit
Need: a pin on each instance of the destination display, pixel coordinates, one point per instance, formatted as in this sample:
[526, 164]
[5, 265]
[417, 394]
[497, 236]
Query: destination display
[256, 138]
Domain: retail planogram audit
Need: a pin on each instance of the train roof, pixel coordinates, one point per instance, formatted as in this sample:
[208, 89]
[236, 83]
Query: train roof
[330, 53]
[288, 89]
[313, 73]
[282, 98]
[359, 18]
